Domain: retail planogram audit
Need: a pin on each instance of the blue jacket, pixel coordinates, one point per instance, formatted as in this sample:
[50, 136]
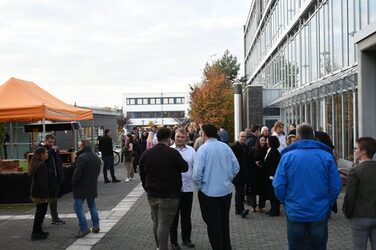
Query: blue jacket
[307, 181]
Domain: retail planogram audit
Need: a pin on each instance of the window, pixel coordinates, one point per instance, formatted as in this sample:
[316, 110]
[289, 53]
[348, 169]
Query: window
[132, 101]
[349, 123]
[145, 101]
[171, 100]
[152, 100]
[127, 101]
[139, 101]
[165, 100]
[158, 100]
[178, 100]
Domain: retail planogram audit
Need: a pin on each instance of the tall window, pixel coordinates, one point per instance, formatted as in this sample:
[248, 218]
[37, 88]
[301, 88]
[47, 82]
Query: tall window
[349, 124]
[338, 125]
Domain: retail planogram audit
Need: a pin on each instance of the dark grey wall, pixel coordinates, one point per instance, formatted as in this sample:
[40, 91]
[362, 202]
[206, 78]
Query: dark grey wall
[252, 112]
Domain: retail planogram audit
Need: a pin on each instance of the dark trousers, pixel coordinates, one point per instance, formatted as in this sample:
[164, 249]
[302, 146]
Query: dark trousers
[40, 212]
[53, 210]
[274, 204]
[253, 200]
[185, 209]
[239, 197]
[215, 212]
[108, 164]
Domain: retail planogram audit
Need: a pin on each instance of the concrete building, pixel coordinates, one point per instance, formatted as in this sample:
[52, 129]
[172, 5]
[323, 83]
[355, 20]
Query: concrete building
[158, 108]
[315, 61]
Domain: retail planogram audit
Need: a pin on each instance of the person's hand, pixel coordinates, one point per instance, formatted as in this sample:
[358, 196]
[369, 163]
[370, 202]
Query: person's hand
[55, 148]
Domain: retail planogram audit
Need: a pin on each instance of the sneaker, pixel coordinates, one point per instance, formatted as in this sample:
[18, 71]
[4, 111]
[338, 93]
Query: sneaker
[58, 221]
[127, 180]
[81, 234]
[245, 213]
[38, 236]
[95, 230]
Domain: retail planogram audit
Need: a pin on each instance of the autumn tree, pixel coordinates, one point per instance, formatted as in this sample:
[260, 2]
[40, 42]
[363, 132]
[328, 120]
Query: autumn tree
[212, 100]
[227, 64]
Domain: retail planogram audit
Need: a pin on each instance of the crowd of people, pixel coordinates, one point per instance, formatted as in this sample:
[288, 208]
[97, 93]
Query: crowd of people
[297, 170]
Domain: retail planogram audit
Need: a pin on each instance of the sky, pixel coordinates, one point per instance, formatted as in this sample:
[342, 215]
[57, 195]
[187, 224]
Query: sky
[89, 52]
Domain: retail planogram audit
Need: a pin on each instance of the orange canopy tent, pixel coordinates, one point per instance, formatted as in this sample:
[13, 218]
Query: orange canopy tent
[25, 101]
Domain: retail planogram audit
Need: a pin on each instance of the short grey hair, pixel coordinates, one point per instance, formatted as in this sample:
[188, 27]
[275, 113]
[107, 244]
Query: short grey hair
[181, 130]
[305, 132]
[86, 144]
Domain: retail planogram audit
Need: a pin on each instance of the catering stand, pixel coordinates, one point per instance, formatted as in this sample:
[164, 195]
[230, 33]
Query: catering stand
[25, 101]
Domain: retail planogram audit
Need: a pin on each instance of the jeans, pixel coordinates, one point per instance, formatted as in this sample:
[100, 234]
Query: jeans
[163, 211]
[185, 209]
[215, 212]
[108, 163]
[362, 229]
[315, 232]
[53, 210]
[81, 215]
[40, 212]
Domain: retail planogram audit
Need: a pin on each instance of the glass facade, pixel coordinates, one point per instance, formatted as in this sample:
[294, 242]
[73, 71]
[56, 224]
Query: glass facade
[306, 48]
[153, 101]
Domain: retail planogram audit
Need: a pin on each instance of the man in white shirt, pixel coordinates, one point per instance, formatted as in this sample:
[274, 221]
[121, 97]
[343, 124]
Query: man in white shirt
[185, 205]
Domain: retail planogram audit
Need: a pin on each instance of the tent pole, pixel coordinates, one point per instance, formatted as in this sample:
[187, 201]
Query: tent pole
[92, 134]
[11, 141]
[44, 128]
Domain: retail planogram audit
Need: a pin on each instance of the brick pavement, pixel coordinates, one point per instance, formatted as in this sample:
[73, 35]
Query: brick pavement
[134, 230]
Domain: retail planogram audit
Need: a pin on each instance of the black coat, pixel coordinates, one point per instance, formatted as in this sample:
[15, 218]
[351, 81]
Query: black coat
[271, 163]
[85, 175]
[243, 155]
[261, 178]
[56, 172]
[40, 181]
[105, 145]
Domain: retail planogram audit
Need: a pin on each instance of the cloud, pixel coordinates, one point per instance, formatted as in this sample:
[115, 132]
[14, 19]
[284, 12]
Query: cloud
[93, 51]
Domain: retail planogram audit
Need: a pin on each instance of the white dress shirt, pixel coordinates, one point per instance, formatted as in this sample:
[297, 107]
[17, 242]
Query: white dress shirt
[188, 154]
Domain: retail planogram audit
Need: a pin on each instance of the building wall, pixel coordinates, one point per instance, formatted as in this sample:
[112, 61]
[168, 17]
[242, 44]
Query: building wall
[159, 108]
[306, 49]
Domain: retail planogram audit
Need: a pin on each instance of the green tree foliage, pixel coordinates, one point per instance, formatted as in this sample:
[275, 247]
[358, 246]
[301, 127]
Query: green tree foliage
[227, 64]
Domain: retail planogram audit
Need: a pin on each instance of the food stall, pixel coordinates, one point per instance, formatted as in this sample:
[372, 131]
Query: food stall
[25, 101]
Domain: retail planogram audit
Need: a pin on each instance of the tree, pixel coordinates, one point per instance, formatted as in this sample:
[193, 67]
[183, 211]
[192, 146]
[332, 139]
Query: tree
[122, 122]
[228, 65]
[212, 100]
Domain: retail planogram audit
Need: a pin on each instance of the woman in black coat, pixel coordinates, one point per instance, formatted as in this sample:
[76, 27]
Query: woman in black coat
[40, 190]
[261, 180]
[271, 162]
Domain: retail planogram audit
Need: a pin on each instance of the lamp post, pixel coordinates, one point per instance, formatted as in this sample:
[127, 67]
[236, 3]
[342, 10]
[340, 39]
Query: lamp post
[162, 107]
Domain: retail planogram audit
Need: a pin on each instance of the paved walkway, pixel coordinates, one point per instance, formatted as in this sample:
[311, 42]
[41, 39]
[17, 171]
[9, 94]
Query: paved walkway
[126, 224]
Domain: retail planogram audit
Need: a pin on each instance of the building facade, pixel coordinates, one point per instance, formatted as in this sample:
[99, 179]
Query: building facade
[158, 108]
[304, 54]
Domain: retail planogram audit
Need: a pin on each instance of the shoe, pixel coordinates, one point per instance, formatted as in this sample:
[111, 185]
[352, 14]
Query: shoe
[245, 213]
[238, 212]
[273, 214]
[115, 180]
[261, 210]
[189, 244]
[38, 236]
[175, 247]
[127, 180]
[253, 210]
[107, 181]
[45, 233]
[81, 234]
[58, 221]
[95, 230]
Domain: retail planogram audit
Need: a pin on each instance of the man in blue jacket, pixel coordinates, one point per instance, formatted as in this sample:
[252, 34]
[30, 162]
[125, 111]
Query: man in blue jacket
[307, 182]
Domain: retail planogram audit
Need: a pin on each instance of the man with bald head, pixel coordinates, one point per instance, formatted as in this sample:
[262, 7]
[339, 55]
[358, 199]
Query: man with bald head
[242, 153]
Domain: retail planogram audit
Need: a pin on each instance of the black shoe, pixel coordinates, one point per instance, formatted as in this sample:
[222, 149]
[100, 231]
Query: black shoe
[107, 181]
[245, 213]
[175, 247]
[58, 221]
[38, 236]
[115, 180]
[273, 214]
[189, 244]
[238, 211]
[45, 233]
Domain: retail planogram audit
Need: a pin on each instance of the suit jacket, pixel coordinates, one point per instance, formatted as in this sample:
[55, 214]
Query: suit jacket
[242, 154]
[270, 164]
[360, 198]
[85, 175]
